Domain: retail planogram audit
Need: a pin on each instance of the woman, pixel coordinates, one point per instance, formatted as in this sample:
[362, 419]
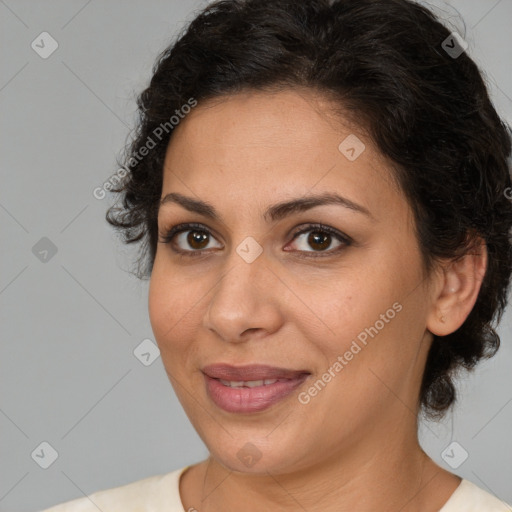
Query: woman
[319, 191]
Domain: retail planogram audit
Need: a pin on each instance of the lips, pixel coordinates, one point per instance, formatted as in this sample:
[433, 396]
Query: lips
[253, 388]
[250, 372]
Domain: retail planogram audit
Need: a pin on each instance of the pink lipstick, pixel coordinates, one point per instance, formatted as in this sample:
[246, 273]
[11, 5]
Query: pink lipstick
[251, 388]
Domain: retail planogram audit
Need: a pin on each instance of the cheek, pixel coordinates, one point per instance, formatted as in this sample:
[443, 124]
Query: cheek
[175, 302]
[347, 307]
[368, 355]
[159, 304]
[168, 303]
[367, 316]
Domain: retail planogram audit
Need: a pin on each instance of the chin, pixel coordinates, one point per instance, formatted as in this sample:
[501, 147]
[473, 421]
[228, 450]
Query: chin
[255, 454]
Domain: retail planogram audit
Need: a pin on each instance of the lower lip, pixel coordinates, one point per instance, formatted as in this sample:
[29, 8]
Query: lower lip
[250, 399]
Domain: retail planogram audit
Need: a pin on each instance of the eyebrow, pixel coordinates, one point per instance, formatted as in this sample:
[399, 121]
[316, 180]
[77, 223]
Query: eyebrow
[273, 213]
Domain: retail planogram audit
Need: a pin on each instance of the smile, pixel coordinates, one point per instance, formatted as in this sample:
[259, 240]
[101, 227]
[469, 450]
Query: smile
[253, 388]
[250, 383]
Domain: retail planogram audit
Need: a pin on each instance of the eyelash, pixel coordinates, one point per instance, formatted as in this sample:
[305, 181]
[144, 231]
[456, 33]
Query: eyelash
[320, 228]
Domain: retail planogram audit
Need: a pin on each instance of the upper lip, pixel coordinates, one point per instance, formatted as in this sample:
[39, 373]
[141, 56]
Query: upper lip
[250, 372]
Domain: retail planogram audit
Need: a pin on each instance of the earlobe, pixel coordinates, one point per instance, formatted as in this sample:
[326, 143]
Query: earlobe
[459, 285]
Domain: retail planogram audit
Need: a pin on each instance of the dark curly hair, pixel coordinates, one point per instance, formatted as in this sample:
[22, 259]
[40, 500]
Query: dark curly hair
[385, 63]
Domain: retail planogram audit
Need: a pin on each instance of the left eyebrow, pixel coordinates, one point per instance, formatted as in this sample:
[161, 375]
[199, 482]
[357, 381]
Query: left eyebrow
[273, 213]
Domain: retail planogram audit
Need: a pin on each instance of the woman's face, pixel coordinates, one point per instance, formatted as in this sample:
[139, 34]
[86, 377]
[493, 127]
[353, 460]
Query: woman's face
[344, 322]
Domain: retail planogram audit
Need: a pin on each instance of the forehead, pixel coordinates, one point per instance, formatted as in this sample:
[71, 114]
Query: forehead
[258, 122]
[255, 145]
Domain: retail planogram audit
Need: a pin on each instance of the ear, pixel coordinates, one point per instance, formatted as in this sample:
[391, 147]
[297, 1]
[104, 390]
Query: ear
[457, 289]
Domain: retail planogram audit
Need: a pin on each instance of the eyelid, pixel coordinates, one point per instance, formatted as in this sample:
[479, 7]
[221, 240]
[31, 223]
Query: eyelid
[321, 227]
[169, 234]
[345, 240]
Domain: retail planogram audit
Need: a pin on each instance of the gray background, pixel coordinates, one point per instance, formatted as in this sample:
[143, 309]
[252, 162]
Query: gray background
[70, 324]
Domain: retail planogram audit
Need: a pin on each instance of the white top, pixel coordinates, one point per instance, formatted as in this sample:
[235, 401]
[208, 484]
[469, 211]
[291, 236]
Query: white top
[160, 493]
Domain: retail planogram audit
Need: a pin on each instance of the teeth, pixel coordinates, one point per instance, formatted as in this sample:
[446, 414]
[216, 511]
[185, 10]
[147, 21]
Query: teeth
[248, 383]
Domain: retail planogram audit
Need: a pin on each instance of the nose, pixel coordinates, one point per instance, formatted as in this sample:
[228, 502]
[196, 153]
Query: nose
[245, 302]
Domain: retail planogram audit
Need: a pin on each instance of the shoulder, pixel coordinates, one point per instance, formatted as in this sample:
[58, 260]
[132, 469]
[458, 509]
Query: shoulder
[468, 497]
[159, 492]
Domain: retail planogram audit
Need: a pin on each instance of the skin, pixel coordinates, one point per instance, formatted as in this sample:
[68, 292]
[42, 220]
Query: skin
[354, 446]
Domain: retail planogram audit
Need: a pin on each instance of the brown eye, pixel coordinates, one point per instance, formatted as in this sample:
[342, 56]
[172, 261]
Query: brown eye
[319, 239]
[188, 238]
[193, 240]
[196, 239]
